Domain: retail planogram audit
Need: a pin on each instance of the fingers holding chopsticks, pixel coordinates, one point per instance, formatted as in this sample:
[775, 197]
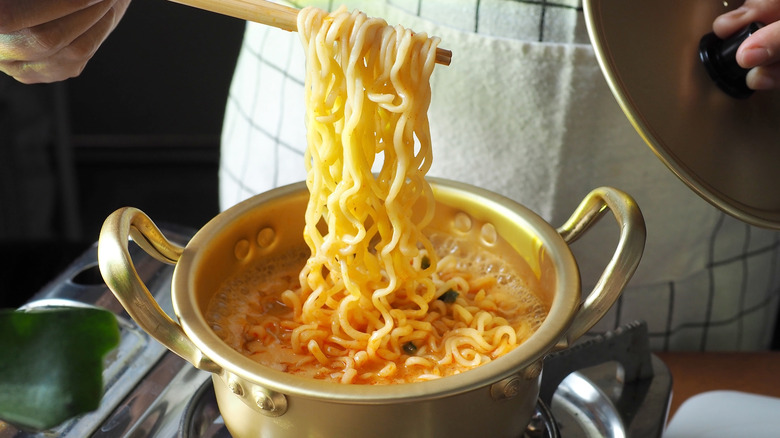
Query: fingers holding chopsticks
[51, 40]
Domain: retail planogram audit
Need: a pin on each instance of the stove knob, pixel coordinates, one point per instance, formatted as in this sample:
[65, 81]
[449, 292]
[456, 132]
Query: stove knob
[720, 59]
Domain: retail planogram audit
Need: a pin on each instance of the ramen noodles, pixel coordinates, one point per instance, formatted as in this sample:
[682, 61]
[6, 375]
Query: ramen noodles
[374, 297]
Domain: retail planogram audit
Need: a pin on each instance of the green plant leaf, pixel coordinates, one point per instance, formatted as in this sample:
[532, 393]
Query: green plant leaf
[51, 363]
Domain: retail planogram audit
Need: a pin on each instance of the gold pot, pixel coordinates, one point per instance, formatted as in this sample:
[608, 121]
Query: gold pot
[496, 399]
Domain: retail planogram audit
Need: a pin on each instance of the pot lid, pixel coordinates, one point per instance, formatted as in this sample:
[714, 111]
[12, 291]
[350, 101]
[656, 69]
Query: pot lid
[725, 148]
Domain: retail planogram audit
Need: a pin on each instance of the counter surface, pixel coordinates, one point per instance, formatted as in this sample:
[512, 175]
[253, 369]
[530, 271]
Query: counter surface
[694, 373]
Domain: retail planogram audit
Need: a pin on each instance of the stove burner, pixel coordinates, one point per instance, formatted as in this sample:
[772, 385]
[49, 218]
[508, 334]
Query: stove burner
[201, 417]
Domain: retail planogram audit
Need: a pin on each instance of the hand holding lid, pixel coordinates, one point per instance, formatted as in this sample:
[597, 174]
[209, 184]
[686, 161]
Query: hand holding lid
[725, 149]
[719, 57]
[760, 51]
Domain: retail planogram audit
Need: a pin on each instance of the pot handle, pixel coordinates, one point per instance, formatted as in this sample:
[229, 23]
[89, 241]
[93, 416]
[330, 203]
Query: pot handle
[118, 271]
[624, 261]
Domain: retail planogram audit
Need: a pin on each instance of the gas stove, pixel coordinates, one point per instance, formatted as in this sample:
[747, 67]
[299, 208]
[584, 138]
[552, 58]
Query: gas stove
[608, 385]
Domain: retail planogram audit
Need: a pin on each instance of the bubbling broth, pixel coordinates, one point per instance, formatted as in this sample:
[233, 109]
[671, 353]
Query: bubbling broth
[485, 306]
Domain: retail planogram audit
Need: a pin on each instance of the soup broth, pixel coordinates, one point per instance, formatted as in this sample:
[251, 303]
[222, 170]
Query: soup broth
[486, 305]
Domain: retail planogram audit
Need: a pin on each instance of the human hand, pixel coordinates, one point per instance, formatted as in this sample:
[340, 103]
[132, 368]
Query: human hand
[760, 52]
[45, 41]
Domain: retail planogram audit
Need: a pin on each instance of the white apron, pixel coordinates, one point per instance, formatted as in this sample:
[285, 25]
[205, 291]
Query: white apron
[534, 121]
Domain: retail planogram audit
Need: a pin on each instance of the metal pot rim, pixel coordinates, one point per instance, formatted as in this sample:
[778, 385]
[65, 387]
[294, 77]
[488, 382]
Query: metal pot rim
[563, 308]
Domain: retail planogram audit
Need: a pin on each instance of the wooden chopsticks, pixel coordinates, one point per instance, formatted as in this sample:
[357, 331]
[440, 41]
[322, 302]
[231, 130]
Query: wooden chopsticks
[271, 14]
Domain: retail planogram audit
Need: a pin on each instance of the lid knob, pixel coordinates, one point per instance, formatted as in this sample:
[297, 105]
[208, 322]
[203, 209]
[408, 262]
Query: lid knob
[720, 59]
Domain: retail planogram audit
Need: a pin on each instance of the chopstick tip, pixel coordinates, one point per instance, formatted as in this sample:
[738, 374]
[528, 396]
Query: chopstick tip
[443, 56]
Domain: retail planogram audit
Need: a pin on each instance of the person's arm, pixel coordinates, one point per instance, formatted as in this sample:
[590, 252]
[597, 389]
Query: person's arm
[52, 40]
[761, 51]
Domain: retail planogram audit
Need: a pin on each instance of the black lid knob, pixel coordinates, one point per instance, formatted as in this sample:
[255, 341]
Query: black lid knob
[720, 59]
